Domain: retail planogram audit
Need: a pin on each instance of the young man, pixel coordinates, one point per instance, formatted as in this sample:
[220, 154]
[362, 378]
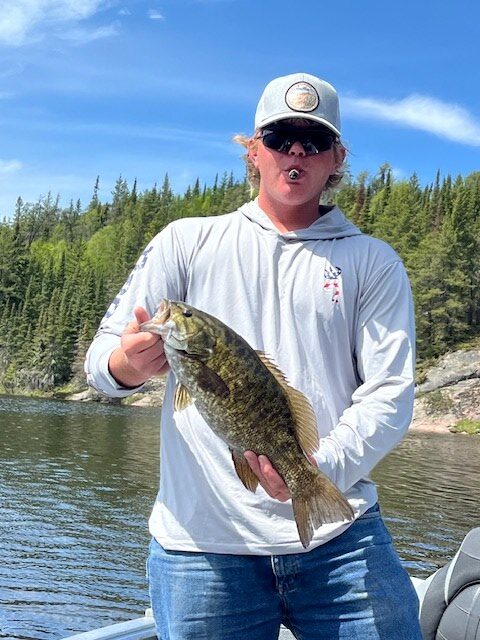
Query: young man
[333, 308]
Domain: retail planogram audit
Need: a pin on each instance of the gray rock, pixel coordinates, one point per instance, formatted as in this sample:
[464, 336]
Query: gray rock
[90, 395]
[441, 409]
[451, 369]
[151, 394]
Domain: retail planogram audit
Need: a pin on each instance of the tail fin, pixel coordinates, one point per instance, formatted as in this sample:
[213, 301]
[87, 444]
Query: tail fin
[320, 504]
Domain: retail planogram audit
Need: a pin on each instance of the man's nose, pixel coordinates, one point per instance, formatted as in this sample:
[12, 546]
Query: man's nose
[297, 149]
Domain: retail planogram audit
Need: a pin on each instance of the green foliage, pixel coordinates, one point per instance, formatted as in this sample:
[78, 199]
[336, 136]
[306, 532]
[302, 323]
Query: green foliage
[470, 427]
[437, 402]
[59, 268]
[436, 231]
[100, 250]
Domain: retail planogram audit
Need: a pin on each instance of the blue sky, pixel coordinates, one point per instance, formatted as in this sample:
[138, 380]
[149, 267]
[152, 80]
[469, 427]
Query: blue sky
[141, 88]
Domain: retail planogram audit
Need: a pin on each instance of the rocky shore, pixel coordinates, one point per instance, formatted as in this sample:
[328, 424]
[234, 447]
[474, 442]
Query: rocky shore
[448, 393]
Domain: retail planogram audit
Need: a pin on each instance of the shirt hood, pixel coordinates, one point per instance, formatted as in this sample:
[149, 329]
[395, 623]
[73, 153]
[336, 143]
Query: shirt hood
[332, 224]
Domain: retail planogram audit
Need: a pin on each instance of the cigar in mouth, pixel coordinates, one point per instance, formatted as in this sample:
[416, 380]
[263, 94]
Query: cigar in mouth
[294, 174]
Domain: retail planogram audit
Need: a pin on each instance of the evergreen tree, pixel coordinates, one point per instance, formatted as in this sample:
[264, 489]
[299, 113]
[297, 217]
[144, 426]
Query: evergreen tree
[120, 196]
[59, 268]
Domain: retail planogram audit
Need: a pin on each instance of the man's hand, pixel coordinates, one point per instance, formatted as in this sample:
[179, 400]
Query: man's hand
[268, 477]
[270, 480]
[140, 354]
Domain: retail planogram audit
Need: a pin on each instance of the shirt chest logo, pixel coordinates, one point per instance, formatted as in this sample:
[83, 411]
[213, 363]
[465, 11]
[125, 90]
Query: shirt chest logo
[333, 282]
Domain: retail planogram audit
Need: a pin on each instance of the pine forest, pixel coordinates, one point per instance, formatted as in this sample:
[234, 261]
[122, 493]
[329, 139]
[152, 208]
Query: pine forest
[61, 267]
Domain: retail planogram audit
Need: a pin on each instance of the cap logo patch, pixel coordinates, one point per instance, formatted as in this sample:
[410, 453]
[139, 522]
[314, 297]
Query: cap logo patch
[302, 97]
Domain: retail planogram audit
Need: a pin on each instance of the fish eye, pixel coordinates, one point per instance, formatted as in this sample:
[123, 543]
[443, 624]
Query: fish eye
[187, 313]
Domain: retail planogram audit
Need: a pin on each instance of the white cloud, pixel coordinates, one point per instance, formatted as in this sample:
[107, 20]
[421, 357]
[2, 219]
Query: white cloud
[444, 119]
[20, 20]
[399, 174]
[211, 139]
[124, 12]
[153, 14]
[9, 166]
[80, 35]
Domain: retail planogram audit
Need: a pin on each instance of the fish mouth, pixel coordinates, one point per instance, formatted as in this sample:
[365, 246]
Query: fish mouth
[164, 323]
[163, 312]
[160, 323]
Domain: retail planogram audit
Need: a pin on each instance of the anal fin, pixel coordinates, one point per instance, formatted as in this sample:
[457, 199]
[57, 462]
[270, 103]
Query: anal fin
[244, 471]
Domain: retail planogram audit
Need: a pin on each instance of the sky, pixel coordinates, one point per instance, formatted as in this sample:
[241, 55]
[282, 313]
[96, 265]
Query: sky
[142, 88]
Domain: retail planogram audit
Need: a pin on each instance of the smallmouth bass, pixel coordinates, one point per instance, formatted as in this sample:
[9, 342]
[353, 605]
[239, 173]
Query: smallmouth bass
[246, 400]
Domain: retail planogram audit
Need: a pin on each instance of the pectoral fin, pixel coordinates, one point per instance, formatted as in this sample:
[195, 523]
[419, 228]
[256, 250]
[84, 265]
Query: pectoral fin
[244, 472]
[182, 398]
[211, 382]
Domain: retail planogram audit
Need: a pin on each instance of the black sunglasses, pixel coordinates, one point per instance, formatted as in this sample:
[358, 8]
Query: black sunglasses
[312, 141]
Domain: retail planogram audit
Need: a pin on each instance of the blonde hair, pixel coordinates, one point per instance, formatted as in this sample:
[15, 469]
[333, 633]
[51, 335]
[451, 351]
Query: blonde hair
[253, 175]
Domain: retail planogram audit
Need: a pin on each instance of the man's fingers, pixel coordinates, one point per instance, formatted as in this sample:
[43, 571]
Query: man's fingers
[135, 342]
[164, 369]
[132, 327]
[277, 487]
[268, 477]
[252, 460]
[268, 470]
[141, 315]
[158, 362]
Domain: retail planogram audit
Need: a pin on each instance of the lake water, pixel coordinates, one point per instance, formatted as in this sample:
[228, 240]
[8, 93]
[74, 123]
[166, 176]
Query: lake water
[78, 481]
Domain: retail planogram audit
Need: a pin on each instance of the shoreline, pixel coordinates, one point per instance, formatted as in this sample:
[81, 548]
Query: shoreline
[423, 424]
[438, 426]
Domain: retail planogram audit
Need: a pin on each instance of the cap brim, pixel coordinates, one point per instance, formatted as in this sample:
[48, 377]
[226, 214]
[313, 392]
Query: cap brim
[303, 116]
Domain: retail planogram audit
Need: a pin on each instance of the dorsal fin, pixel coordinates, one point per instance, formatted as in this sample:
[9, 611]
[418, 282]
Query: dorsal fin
[305, 422]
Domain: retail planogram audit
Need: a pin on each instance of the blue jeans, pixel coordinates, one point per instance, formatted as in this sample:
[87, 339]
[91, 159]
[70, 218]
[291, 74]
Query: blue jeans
[353, 587]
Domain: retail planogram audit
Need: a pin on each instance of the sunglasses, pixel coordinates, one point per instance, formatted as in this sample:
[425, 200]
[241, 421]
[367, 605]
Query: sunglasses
[282, 140]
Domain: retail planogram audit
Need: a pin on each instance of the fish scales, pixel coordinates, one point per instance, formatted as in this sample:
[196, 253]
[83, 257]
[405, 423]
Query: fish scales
[255, 398]
[247, 402]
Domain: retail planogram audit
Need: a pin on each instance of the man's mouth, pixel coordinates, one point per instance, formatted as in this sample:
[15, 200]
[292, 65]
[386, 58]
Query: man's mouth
[294, 173]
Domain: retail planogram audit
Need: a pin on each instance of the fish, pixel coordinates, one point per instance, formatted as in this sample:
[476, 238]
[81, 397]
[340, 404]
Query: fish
[247, 401]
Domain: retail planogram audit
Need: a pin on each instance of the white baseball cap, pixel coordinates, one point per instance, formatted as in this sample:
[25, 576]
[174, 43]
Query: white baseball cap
[299, 95]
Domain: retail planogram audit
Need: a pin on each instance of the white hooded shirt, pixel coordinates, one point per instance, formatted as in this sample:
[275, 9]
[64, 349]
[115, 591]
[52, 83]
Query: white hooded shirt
[332, 307]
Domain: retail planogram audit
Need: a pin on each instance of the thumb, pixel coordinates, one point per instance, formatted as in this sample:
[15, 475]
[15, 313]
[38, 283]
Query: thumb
[141, 315]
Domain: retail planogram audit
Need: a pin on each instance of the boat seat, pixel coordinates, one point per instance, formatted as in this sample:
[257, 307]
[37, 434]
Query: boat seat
[450, 604]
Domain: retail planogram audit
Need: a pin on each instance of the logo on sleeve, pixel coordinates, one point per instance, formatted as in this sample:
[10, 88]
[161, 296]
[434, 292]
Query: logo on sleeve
[140, 265]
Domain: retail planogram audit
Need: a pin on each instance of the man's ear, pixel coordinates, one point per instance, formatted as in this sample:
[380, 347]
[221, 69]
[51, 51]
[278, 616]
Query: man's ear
[340, 154]
[252, 151]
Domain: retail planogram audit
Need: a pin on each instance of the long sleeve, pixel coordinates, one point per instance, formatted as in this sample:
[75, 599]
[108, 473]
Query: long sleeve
[382, 405]
[160, 272]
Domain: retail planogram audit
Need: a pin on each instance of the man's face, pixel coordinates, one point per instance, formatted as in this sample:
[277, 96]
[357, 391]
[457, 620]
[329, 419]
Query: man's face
[274, 168]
